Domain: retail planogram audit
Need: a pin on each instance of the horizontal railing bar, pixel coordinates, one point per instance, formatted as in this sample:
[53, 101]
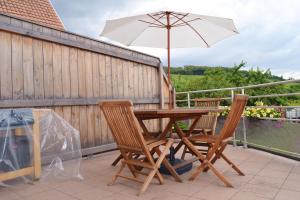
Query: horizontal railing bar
[243, 87]
[254, 97]
[273, 106]
[280, 119]
[275, 95]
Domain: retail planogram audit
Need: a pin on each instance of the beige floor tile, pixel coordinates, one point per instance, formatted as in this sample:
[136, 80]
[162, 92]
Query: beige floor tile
[214, 191]
[49, 195]
[273, 173]
[29, 189]
[247, 196]
[6, 194]
[73, 187]
[294, 176]
[265, 174]
[268, 181]
[93, 194]
[292, 185]
[288, 195]
[264, 191]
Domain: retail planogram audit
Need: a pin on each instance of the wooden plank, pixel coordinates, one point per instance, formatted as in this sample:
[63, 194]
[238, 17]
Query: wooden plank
[66, 73]
[5, 69]
[141, 81]
[130, 80]
[103, 94]
[81, 75]
[91, 126]
[120, 79]
[96, 93]
[96, 75]
[82, 93]
[28, 68]
[75, 113]
[17, 66]
[114, 74]
[59, 111]
[18, 173]
[83, 126]
[136, 80]
[108, 77]
[90, 93]
[88, 74]
[48, 69]
[67, 114]
[74, 73]
[126, 79]
[57, 71]
[38, 69]
[114, 51]
[102, 74]
[151, 82]
[64, 102]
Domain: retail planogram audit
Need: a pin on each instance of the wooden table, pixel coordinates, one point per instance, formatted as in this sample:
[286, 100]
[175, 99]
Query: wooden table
[174, 116]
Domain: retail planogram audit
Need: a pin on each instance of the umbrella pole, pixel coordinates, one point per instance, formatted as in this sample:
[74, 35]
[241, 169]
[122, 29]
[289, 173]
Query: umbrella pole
[169, 62]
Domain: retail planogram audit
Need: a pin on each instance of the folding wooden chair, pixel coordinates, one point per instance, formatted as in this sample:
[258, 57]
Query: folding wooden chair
[218, 142]
[206, 124]
[126, 132]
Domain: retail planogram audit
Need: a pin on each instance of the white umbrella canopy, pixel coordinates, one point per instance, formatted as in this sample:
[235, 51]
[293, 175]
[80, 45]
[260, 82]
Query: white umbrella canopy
[168, 29]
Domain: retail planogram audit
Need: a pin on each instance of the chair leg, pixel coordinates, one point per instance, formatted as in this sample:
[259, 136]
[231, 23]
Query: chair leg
[117, 160]
[179, 145]
[147, 181]
[183, 153]
[232, 165]
[219, 175]
[198, 171]
[156, 166]
[168, 166]
[117, 174]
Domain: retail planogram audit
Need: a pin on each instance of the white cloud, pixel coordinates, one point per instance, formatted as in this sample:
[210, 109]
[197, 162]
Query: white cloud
[269, 30]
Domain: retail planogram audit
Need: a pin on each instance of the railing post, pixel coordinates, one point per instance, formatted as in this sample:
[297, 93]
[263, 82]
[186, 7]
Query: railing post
[232, 96]
[189, 100]
[244, 127]
[174, 97]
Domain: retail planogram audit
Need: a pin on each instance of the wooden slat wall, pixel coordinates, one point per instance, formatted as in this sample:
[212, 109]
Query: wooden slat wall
[37, 69]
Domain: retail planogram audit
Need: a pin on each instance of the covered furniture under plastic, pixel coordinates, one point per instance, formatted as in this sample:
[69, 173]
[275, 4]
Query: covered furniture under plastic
[37, 144]
[19, 144]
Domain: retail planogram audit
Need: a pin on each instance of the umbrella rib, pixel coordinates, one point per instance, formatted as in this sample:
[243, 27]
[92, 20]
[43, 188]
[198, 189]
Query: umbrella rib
[156, 20]
[174, 23]
[193, 30]
[156, 25]
[184, 23]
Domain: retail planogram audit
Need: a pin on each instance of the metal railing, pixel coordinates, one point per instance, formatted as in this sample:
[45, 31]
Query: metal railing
[245, 124]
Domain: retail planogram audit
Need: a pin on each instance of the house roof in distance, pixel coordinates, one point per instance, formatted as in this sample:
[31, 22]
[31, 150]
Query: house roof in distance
[38, 11]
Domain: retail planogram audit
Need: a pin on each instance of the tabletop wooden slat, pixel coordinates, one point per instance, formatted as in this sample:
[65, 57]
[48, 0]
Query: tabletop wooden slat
[172, 113]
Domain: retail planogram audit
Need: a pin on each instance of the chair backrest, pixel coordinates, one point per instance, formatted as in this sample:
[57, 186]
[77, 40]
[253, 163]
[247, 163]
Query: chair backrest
[207, 102]
[208, 121]
[123, 124]
[234, 116]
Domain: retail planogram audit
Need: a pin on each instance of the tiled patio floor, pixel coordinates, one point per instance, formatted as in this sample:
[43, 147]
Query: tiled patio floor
[267, 177]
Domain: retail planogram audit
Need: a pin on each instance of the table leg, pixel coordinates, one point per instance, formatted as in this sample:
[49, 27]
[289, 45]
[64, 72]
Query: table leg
[181, 134]
[143, 126]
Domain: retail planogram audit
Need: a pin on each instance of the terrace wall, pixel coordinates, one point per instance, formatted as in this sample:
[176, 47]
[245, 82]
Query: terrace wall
[69, 73]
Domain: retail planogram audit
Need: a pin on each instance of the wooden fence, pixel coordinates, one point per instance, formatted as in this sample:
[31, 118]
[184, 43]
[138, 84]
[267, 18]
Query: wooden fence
[44, 67]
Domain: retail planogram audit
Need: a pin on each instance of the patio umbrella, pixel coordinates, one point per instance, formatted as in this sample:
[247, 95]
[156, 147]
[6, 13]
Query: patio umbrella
[168, 29]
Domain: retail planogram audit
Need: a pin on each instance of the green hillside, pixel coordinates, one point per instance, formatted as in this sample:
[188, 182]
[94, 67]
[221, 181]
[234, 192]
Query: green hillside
[190, 78]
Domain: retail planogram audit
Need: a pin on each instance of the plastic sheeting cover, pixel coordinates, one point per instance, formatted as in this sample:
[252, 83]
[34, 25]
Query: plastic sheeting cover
[59, 141]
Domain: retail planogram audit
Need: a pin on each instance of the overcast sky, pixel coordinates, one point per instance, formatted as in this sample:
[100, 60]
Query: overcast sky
[269, 30]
